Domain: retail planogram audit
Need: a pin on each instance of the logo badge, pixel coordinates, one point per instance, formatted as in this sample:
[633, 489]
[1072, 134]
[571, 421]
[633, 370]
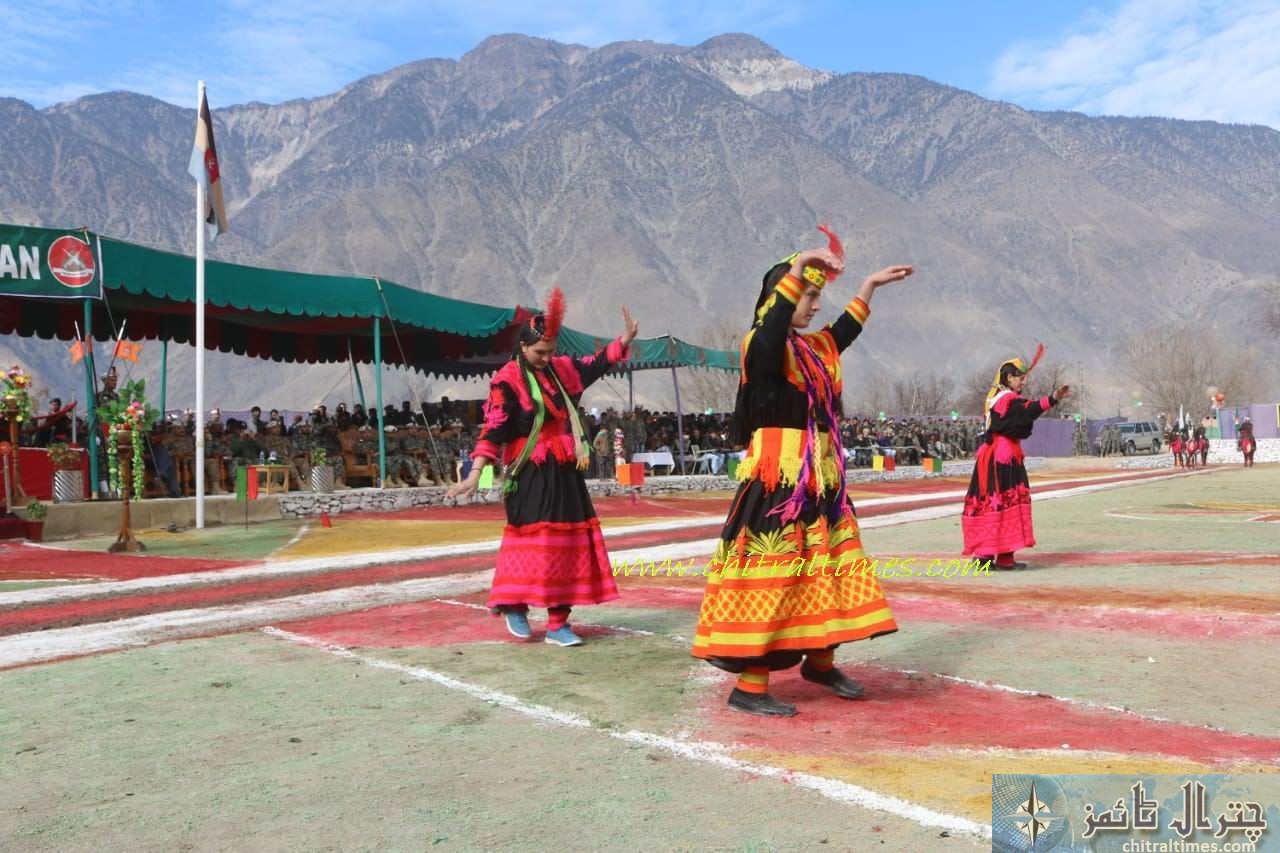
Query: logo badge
[71, 261]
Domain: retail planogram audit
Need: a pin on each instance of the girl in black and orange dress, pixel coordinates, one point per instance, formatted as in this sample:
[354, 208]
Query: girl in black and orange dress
[789, 580]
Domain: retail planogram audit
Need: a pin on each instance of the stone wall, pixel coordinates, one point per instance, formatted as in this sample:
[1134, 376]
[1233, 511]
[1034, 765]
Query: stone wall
[306, 504]
[1223, 450]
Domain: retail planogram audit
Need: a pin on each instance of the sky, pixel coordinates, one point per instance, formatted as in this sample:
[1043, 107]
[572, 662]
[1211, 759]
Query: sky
[1192, 59]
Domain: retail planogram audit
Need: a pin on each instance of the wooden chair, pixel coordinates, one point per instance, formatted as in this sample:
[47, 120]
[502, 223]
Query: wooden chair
[350, 458]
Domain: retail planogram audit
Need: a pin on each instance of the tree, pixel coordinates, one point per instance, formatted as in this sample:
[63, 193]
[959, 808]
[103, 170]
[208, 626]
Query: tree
[1175, 366]
[924, 393]
[973, 392]
[1271, 314]
[713, 389]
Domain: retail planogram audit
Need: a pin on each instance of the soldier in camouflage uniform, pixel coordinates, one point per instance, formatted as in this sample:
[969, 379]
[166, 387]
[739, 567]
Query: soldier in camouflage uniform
[1080, 440]
[304, 440]
[366, 446]
[413, 444]
[182, 447]
[244, 449]
[217, 449]
[442, 450]
[399, 460]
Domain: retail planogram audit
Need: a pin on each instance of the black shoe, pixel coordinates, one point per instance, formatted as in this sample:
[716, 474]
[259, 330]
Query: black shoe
[760, 704]
[833, 679]
[736, 666]
[1009, 567]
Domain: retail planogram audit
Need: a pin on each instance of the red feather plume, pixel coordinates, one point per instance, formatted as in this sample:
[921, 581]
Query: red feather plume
[555, 314]
[836, 247]
[1034, 361]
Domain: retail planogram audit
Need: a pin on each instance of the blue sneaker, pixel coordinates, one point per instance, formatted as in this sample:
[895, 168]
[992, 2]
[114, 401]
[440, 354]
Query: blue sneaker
[563, 636]
[518, 624]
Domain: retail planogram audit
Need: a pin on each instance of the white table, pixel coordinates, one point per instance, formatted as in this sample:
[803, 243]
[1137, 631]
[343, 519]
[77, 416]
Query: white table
[654, 460]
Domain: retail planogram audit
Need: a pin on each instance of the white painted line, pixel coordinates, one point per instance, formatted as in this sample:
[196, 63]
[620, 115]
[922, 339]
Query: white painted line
[297, 537]
[639, 632]
[702, 752]
[320, 565]
[484, 694]
[39, 646]
[288, 568]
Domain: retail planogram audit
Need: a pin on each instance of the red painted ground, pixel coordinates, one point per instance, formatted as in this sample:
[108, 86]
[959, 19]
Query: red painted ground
[1148, 623]
[24, 562]
[41, 617]
[903, 711]
[1219, 622]
[424, 623]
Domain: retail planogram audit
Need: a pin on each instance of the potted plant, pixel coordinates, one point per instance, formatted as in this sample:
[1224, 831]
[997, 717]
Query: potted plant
[68, 479]
[321, 471]
[36, 512]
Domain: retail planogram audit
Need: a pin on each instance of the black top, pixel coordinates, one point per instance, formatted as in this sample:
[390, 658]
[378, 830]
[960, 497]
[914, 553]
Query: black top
[767, 398]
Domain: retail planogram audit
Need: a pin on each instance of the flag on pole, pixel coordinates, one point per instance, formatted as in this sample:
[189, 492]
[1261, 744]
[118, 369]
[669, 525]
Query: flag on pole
[204, 168]
[128, 351]
[78, 351]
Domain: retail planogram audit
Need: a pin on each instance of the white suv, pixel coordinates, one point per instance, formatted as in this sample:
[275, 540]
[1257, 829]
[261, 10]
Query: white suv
[1140, 435]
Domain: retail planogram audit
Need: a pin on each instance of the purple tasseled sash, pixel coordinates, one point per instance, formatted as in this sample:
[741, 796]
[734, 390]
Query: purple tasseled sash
[805, 359]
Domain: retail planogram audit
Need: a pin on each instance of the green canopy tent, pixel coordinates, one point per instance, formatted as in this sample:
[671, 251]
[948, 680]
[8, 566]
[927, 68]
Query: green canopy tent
[277, 314]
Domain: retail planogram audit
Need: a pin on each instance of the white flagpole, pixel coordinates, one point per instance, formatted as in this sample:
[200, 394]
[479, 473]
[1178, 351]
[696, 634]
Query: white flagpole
[200, 214]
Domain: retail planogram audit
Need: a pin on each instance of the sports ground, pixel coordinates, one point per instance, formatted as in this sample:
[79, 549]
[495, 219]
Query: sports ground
[291, 686]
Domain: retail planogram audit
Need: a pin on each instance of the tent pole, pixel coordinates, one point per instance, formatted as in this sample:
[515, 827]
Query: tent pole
[91, 400]
[679, 419]
[164, 374]
[356, 372]
[377, 381]
[631, 390]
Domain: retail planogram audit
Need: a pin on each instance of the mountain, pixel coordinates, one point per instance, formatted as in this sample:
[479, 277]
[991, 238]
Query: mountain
[670, 178]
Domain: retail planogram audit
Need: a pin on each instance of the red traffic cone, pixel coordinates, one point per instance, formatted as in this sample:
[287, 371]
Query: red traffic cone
[325, 522]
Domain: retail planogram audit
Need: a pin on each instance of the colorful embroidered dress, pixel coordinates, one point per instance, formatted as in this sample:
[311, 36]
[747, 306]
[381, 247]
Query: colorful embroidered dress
[997, 508]
[552, 552]
[785, 578]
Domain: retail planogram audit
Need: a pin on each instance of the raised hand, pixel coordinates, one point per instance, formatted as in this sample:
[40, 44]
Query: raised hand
[888, 275]
[823, 257]
[630, 326]
[1062, 393]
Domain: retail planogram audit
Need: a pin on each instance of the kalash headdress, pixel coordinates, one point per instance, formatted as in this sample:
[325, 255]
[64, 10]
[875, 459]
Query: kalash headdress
[1022, 367]
[547, 324]
[817, 276]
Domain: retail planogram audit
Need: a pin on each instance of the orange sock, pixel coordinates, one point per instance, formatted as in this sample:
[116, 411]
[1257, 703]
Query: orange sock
[822, 661]
[754, 679]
